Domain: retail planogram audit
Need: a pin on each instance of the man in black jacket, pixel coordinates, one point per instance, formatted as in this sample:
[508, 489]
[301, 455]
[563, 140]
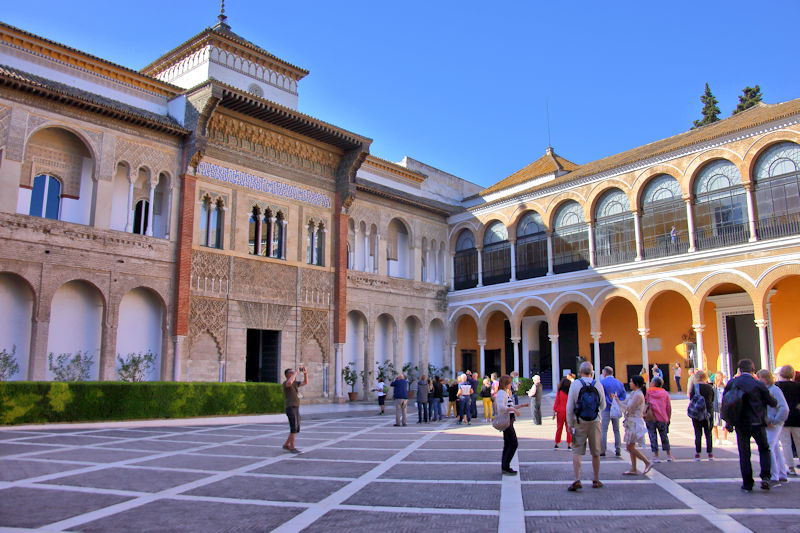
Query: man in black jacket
[753, 423]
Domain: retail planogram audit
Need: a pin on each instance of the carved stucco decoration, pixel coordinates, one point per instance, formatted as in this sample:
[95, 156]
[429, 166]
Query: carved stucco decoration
[254, 278]
[264, 316]
[314, 325]
[209, 272]
[140, 155]
[271, 145]
[315, 287]
[208, 315]
[5, 119]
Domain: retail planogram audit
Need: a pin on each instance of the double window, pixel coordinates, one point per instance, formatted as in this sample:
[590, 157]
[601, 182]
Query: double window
[315, 243]
[46, 197]
[267, 234]
[212, 221]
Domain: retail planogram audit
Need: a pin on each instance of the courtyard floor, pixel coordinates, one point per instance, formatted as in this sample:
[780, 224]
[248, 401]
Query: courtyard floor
[359, 473]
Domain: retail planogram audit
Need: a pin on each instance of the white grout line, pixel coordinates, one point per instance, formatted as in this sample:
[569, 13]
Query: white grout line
[314, 512]
[512, 509]
[607, 512]
[418, 510]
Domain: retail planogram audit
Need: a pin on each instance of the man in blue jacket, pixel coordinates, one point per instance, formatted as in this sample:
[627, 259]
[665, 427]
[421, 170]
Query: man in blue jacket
[611, 385]
[400, 386]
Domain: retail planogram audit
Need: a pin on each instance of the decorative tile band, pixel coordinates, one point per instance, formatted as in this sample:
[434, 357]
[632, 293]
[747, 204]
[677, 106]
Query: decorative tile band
[257, 183]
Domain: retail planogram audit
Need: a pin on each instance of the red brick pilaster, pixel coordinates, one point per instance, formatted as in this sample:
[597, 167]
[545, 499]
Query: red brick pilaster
[183, 265]
[340, 272]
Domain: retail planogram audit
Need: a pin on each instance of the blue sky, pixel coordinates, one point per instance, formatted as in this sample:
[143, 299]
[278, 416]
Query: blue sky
[461, 85]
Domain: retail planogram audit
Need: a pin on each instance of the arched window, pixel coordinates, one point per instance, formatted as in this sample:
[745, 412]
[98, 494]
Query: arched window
[465, 262]
[46, 197]
[614, 234]
[141, 216]
[720, 211]
[531, 246]
[496, 254]
[665, 230]
[570, 239]
[254, 230]
[319, 243]
[777, 177]
[211, 223]
[315, 244]
[278, 229]
[397, 250]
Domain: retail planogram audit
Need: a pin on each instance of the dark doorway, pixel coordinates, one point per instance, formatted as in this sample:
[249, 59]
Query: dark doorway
[492, 362]
[545, 359]
[568, 343]
[509, 349]
[742, 336]
[467, 360]
[263, 355]
[606, 356]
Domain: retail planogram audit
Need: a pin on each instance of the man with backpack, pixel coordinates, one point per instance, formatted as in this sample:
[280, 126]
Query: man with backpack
[744, 406]
[585, 401]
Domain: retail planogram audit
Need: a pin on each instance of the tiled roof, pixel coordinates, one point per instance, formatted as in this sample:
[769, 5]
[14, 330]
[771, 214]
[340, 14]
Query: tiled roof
[54, 90]
[760, 114]
[549, 163]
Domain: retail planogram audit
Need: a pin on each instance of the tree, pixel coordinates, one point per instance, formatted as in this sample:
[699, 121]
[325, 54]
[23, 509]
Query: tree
[710, 109]
[69, 366]
[750, 97]
[8, 364]
[135, 366]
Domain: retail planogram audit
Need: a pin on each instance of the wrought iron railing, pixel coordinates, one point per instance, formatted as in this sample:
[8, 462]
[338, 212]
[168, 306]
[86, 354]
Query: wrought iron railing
[778, 226]
[664, 246]
[712, 237]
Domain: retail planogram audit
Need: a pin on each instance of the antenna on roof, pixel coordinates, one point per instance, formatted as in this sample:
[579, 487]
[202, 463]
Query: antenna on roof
[547, 112]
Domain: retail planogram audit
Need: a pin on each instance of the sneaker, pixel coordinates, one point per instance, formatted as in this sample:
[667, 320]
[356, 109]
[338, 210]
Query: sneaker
[469, 422]
[746, 489]
[569, 446]
[397, 425]
[765, 485]
[773, 483]
[783, 480]
[711, 457]
[555, 447]
[509, 472]
[294, 450]
[656, 458]
[602, 454]
[792, 472]
[696, 457]
[618, 453]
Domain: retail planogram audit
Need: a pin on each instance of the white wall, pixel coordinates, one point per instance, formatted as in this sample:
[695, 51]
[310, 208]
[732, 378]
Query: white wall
[24, 201]
[80, 211]
[400, 268]
[76, 317]
[119, 201]
[16, 308]
[384, 341]
[436, 344]
[410, 342]
[140, 328]
[354, 343]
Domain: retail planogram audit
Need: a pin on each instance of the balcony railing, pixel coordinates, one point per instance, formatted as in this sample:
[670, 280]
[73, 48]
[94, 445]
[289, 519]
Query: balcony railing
[615, 255]
[719, 236]
[664, 246]
[569, 262]
[778, 226]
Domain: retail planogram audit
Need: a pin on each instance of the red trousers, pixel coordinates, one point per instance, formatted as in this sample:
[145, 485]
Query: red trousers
[561, 422]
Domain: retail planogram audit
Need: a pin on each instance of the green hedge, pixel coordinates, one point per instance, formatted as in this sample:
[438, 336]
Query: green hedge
[44, 401]
[525, 385]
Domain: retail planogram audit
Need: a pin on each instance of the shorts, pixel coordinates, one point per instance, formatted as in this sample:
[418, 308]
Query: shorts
[587, 432]
[382, 400]
[293, 414]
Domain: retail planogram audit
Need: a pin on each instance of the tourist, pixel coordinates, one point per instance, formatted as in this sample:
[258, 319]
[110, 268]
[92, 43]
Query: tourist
[660, 403]
[776, 417]
[658, 373]
[791, 428]
[452, 398]
[291, 402]
[719, 423]
[515, 386]
[560, 412]
[690, 381]
[495, 388]
[612, 413]
[473, 399]
[752, 423]
[677, 371]
[702, 426]
[486, 397]
[422, 400]
[588, 396]
[635, 428]
[380, 388]
[465, 391]
[436, 400]
[400, 386]
[535, 394]
[645, 375]
[505, 404]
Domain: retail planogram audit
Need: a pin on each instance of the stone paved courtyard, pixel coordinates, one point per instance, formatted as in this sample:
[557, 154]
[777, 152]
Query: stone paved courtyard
[359, 473]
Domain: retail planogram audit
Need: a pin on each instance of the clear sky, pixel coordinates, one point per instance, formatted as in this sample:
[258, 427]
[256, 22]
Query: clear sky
[462, 84]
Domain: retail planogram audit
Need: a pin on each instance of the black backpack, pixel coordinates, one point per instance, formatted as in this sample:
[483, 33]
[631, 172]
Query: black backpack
[732, 406]
[486, 392]
[697, 410]
[587, 406]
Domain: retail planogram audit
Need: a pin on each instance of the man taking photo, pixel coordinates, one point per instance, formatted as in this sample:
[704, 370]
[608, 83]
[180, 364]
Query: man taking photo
[291, 400]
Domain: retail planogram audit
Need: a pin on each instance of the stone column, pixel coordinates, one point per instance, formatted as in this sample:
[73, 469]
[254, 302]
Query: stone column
[375, 262]
[596, 339]
[751, 214]
[37, 358]
[637, 230]
[179, 342]
[108, 353]
[453, 358]
[284, 223]
[271, 237]
[357, 243]
[257, 244]
[482, 358]
[366, 251]
[168, 216]
[554, 360]
[590, 228]
[549, 253]
[513, 244]
[480, 266]
[690, 222]
[698, 331]
[129, 223]
[763, 344]
[337, 370]
[515, 342]
[644, 332]
[314, 259]
[452, 279]
[149, 230]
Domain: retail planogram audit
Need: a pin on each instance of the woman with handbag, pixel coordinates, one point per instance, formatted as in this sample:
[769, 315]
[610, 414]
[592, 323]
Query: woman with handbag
[506, 409]
[535, 394]
[635, 430]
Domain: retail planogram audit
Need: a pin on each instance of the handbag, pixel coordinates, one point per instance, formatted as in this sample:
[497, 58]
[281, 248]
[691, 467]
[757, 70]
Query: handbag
[648, 415]
[501, 421]
[616, 411]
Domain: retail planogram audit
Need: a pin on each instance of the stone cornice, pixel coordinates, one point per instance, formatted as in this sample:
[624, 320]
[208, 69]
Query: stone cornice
[393, 169]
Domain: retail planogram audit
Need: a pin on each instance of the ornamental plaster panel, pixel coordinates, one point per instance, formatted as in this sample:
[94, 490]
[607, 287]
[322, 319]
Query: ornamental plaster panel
[208, 315]
[138, 155]
[5, 119]
[264, 316]
[210, 272]
[258, 279]
[315, 324]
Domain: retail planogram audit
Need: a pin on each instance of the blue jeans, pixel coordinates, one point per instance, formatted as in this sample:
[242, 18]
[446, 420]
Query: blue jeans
[463, 408]
[422, 411]
[435, 409]
[662, 428]
[678, 382]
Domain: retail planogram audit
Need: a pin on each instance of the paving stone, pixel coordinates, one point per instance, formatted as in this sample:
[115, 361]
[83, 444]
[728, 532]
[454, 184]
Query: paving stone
[556, 497]
[375, 443]
[370, 521]
[701, 469]
[268, 488]
[643, 524]
[310, 467]
[458, 456]
[92, 455]
[278, 440]
[201, 438]
[436, 471]
[8, 435]
[152, 445]
[69, 440]
[770, 522]
[217, 463]
[27, 507]
[362, 455]
[176, 516]
[123, 433]
[16, 469]
[134, 479]
[726, 495]
[550, 454]
[441, 496]
[13, 448]
[551, 472]
[244, 450]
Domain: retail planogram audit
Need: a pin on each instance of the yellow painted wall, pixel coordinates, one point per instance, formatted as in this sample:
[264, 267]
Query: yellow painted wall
[496, 338]
[619, 325]
[711, 338]
[467, 339]
[584, 329]
[670, 319]
[786, 322]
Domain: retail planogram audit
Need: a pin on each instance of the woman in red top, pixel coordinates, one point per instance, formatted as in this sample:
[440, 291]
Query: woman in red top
[560, 412]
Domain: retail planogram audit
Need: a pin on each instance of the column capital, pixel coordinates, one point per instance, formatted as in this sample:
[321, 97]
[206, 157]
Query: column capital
[698, 328]
[644, 332]
[481, 342]
[553, 338]
[516, 340]
[687, 198]
[596, 334]
[761, 323]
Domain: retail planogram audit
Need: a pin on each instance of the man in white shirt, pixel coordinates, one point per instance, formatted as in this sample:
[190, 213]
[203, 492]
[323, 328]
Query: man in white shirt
[583, 416]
